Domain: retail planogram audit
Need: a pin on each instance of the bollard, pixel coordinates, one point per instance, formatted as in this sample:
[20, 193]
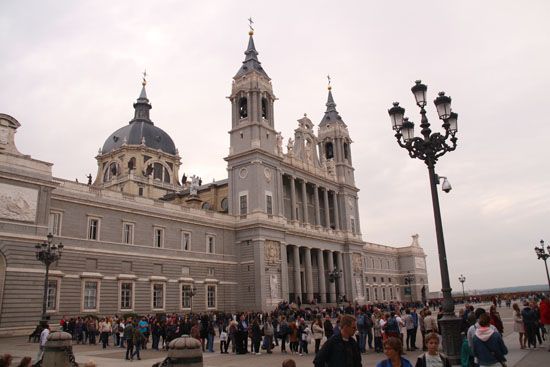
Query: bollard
[59, 351]
[184, 351]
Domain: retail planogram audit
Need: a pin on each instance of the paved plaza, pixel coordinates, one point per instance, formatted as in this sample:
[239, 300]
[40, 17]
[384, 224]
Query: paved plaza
[113, 356]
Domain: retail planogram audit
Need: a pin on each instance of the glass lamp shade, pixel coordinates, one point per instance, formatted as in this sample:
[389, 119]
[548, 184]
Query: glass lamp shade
[419, 91]
[443, 105]
[60, 246]
[396, 115]
[453, 122]
[407, 130]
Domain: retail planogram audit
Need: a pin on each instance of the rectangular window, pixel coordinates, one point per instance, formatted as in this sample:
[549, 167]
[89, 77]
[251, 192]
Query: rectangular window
[376, 294]
[54, 224]
[391, 293]
[90, 295]
[51, 296]
[185, 241]
[374, 279]
[211, 296]
[126, 293]
[158, 237]
[269, 204]
[243, 200]
[384, 293]
[186, 296]
[158, 296]
[128, 233]
[382, 280]
[210, 244]
[367, 293]
[93, 229]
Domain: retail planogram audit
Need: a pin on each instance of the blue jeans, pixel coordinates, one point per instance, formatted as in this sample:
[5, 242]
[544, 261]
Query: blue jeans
[362, 340]
[137, 348]
[210, 343]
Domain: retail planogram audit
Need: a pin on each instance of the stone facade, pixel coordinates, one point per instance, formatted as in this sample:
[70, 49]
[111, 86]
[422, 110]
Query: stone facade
[137, 239]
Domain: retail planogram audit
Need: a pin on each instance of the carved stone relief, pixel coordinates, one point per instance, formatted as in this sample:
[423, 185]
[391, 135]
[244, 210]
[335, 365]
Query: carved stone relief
[357, 263]
[272, 252]
[18, 203]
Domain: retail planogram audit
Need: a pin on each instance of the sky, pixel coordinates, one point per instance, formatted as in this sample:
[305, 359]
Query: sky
[72, 69]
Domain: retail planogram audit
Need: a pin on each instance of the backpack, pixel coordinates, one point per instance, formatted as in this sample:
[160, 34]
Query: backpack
[391, 325]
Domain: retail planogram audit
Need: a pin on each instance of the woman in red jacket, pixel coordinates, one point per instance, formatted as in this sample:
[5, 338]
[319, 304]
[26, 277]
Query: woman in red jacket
[544, 309]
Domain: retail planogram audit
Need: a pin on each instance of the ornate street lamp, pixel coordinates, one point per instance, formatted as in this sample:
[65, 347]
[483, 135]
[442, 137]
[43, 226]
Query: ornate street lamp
[543, 255]
[47, 253]
[333, 277]
[408, 280]
[462, 279]
[428, 148]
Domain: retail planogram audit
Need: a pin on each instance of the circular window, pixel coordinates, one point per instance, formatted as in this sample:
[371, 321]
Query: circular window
[224, 205]
[206, 206]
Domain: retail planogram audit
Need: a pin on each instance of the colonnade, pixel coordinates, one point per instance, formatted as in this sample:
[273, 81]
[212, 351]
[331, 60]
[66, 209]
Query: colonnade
[307, 293]
[328, 197]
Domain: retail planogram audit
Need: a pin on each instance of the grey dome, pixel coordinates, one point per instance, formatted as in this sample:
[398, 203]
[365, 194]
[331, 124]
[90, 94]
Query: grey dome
[132, 134]
[140, 130]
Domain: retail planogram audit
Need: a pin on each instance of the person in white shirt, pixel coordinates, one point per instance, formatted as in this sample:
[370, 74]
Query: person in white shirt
[43, 339]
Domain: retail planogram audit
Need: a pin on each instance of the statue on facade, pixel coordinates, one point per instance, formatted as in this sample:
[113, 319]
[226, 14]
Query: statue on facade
[309, 152]
[194, 185]
[89, 177]
[183, 179]
[290, 147]
[415, 240]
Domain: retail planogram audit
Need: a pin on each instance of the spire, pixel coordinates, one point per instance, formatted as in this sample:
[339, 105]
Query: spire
[251, 61]
[331, 115]
[142, 105]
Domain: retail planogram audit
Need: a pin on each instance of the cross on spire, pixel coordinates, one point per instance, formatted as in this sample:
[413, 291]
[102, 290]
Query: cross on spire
[329, 86]
[250, 22]
[144, 82]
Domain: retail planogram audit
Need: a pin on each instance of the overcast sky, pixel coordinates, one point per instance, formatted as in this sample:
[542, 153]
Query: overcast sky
[70, 72]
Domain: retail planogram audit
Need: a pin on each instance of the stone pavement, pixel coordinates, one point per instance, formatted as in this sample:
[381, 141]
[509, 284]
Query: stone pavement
[112, 356]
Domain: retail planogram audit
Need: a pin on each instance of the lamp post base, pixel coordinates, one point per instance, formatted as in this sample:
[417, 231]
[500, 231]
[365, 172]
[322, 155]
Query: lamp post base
[452, 340]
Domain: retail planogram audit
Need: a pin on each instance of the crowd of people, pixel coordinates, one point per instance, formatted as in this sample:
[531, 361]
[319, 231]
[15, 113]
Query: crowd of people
[389, 328]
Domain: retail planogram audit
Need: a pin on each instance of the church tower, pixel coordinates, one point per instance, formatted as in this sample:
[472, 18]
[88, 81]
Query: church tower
[252, 125]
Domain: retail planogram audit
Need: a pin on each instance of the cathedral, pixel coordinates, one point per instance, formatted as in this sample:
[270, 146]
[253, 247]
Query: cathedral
[140, 238]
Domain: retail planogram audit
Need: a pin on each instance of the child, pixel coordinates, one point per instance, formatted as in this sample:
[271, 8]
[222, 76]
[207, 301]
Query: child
[432, 357]
[289, 363]
[223, 341]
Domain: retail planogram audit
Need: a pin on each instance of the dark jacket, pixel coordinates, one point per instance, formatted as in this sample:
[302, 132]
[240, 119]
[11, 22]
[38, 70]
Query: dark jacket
[338, 353]
[488, 346]
[329, 330]
[421, 361]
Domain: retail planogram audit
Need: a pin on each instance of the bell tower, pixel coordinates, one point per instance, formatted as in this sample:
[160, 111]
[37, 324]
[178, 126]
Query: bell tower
[252, 123]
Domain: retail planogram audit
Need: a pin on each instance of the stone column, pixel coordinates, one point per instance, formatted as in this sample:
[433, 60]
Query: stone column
[316, 204]
[292, 198]
[322, 282]
[297, 278]
[308, 274]
[304, 201]
[327, 210]
[284, 272]
[331, 285]
[340, 266]
[336, 214]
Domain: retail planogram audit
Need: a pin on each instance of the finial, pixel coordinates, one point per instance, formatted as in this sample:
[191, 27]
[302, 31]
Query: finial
[144, 82]
[329, 86]
[250, 22]
[305, 114]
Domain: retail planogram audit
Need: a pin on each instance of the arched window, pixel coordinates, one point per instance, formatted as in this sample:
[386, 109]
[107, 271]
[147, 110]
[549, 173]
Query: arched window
[159, 172]
[111, 171]
[346, 151]
[243, 107]
[329, 151]
[224, 205]
[264, 108]
[206, 206]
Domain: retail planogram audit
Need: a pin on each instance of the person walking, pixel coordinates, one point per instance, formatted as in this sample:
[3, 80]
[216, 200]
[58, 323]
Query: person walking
[318, 333]
[42, 344]
[519, 327]
[340, 350]
[529, 322]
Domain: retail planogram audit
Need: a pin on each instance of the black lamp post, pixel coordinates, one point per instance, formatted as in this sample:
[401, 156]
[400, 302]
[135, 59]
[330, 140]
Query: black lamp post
[409, 279]
[428, 148]
[462, 279]
[543, 255]
[333, 277]
[47, 253]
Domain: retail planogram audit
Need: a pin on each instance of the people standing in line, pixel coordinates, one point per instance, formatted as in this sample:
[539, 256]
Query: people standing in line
[544, 309]
[104, 330]
[409, 325]
[329, 329]
[519, 327]
[430, 323]
[370, 325]
[256, 336]
[340, 350]
[362, 330]
[233, 335]
[144, 330]
[422, 326]
[223, 341]
[393, 349]
[305, 338]
[538, 325]
[529, 322]
[242, 335]
[318, 333]
[377, 330]
[488, 346]
[432, 357]
[210, 334]
[293, 336]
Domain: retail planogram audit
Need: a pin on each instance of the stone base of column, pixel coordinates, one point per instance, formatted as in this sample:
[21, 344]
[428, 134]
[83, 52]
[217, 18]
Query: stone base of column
[452, 341]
